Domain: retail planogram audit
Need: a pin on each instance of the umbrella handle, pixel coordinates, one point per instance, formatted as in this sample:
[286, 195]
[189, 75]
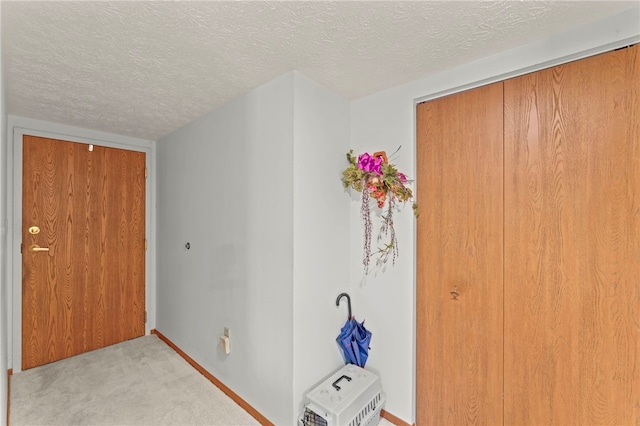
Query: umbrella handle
[340, 296]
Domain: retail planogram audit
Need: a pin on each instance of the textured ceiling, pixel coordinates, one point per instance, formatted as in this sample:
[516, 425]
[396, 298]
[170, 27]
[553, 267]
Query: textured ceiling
[144, 69]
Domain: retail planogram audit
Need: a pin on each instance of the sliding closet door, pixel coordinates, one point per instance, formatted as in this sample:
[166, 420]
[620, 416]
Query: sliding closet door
[459, 268]
[572, 244]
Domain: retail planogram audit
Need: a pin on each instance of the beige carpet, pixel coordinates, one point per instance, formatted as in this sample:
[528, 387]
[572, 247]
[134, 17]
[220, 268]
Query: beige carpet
[139, 382]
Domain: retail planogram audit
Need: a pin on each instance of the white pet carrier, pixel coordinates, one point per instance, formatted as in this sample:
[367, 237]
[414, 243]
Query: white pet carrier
[352, 396]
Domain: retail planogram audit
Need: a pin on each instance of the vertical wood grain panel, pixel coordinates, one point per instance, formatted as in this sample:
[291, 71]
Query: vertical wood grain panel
[50, 180]
[88, 290]
[459, 244]
[123, 230]
[572, 244]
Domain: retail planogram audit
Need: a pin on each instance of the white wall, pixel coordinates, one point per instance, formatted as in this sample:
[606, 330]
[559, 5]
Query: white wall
[3, 243]
[387, 119]
[16, 128]
[320, 233]
[226, 186]
[254, 188]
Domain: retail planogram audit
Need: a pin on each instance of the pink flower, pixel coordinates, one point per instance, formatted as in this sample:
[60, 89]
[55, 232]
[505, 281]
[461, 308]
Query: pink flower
[402, 177]
[370, 164]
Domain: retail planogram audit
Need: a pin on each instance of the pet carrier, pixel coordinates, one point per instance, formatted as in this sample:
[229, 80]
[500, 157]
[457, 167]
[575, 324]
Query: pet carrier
[352, 396]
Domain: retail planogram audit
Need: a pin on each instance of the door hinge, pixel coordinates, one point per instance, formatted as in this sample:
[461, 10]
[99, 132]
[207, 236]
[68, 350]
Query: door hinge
[145, 244]
[145, 172]
[20, 248]
[145, 317]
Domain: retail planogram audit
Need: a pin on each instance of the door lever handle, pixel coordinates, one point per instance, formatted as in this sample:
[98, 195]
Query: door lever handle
[37, 248]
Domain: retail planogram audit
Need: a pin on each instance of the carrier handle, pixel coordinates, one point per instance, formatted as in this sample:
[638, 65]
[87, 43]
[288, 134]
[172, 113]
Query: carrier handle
[335, 384]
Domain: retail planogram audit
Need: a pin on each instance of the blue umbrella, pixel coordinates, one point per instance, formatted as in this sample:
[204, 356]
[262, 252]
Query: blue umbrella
[354, 338]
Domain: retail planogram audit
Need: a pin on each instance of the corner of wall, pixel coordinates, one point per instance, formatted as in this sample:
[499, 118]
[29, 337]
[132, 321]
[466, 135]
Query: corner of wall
[321, 229]
[225, 186]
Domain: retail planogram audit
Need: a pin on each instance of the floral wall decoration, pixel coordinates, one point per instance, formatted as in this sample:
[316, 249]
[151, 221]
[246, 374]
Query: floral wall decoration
[377, 179]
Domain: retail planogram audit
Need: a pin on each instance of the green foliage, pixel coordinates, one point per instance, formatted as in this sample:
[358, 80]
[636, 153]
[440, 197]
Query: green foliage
[353, 177]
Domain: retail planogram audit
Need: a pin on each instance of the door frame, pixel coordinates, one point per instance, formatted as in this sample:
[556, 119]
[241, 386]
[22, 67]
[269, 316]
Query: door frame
[19, 127]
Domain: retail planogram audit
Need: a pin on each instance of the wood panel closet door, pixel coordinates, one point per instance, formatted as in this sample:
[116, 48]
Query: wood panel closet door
[572, 244]
[84, 287]
[459, 247]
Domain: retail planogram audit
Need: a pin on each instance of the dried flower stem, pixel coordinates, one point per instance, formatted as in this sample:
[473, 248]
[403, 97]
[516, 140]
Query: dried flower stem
[368, 228]
[387, 229]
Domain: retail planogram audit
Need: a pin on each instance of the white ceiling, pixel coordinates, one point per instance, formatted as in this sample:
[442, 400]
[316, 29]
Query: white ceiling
[145, 69]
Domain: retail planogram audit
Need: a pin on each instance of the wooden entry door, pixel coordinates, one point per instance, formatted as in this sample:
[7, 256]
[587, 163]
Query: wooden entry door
[83, 248]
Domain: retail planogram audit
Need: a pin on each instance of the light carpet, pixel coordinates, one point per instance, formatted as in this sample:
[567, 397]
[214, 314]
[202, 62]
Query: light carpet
[139, 382]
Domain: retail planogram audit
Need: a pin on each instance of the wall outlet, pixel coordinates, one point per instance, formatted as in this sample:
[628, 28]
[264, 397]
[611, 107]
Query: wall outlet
[227, 332]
